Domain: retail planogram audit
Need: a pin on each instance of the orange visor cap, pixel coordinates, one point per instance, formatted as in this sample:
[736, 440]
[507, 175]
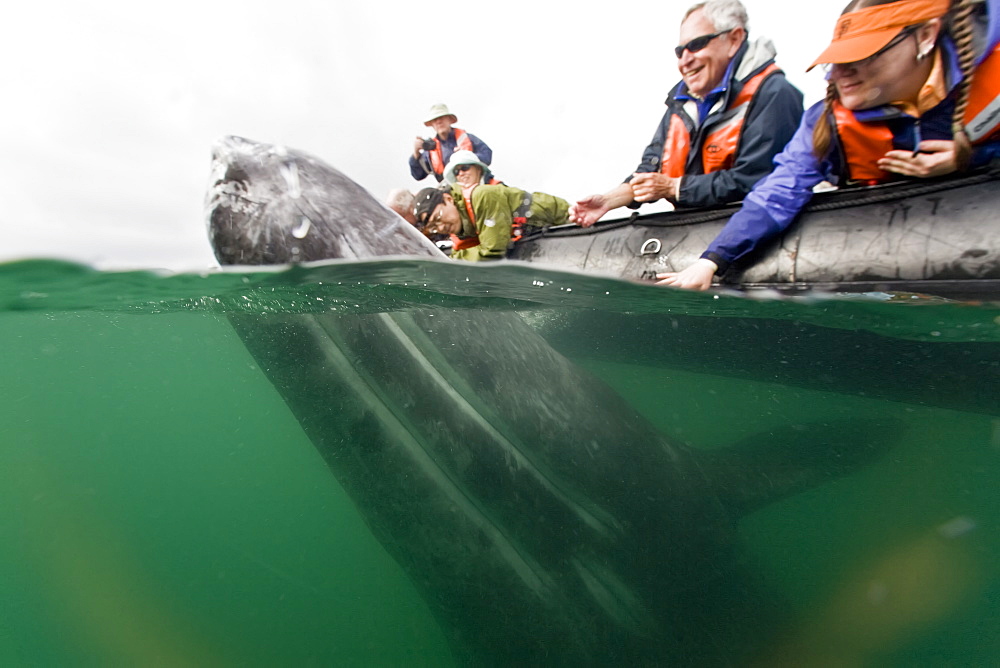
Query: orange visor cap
[862, 33]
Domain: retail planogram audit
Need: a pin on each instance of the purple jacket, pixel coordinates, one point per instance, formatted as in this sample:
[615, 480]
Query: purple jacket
[776, 200]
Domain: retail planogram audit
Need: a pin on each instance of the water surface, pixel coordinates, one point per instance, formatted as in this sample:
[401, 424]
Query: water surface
[163, 505]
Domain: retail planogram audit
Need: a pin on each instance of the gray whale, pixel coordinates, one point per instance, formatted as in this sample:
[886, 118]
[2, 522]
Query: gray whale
[542, 519]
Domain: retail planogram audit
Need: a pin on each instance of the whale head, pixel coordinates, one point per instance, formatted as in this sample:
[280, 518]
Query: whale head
[267, 204]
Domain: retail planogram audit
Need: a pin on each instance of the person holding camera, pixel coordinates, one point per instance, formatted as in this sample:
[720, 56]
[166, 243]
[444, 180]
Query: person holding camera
[727, 118]
[430, 156]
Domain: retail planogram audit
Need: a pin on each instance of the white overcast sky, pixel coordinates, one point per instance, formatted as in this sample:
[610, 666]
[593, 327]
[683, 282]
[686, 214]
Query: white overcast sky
[110, 107]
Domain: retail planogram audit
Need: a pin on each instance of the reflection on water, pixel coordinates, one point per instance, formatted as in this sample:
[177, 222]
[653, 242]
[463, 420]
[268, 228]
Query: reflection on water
[165, 506]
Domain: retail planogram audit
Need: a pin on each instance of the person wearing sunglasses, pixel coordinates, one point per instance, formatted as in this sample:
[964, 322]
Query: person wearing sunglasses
[430, 156]
[914, 92]
[483, 224]
[468, 171]
[727, 118]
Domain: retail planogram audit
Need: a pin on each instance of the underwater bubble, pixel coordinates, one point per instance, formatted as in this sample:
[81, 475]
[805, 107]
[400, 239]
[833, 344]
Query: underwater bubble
[956, 527]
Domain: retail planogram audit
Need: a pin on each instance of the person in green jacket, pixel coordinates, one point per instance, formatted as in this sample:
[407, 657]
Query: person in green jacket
[483, 226]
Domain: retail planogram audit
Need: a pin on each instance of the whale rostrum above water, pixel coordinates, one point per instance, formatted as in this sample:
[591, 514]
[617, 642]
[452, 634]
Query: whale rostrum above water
[270, 205]
[542, 519]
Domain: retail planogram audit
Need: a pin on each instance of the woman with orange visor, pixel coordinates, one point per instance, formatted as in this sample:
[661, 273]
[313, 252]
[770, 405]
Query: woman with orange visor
[914, 92]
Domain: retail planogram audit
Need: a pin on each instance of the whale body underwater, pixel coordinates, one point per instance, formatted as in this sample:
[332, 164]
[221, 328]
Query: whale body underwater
[540, 517]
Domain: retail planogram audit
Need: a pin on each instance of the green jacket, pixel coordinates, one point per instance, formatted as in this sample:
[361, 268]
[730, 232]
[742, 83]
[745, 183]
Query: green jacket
[493, 208]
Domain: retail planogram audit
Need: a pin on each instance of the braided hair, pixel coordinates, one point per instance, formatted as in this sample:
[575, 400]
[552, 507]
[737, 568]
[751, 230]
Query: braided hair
[823, 132]
[959, 23]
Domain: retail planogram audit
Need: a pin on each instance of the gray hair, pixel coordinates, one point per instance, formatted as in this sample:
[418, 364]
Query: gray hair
[723, 14]
[399, 200]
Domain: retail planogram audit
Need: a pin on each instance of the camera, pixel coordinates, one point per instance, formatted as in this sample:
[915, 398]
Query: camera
[430, 144]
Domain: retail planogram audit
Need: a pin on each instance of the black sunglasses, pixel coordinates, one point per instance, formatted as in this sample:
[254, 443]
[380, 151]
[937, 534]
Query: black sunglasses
[463, 168]
[698, 43]
[896, 41]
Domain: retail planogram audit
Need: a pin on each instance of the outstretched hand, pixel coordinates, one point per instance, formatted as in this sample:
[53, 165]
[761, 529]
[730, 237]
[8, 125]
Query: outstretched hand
[935, 158]
[697, 276]
[589, 210]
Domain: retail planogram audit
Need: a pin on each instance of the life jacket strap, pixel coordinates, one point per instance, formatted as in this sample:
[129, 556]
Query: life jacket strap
[520, 218]
[461, 243]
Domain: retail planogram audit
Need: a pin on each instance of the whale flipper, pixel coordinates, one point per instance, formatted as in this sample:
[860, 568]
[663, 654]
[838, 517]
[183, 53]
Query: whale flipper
[781, 462]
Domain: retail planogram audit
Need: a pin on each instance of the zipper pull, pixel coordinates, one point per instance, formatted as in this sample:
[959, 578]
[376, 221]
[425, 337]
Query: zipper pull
[917, 138]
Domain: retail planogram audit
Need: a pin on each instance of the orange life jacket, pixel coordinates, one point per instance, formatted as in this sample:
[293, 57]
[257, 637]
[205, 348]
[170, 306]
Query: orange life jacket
[462, 143]
[864, 143]
[516, 228]
[720, 145]
[461, 243]
[982, 118]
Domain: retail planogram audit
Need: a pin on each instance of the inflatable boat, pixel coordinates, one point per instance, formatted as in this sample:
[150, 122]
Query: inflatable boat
[939, 237]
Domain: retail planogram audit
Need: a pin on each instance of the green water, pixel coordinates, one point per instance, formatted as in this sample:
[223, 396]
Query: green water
[163, 507]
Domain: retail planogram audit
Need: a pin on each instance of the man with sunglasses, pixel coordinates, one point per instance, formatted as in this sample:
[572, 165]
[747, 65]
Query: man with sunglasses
[727, 118]
[913, 92]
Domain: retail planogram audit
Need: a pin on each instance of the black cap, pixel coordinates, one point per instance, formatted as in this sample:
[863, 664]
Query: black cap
[424, 204]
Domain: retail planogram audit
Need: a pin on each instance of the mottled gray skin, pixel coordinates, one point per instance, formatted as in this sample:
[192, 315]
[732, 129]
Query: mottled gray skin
[542, 519]
[270, 205]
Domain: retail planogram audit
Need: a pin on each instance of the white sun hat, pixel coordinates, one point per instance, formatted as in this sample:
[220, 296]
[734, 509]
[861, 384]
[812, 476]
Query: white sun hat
[462, 158]
[437, 111]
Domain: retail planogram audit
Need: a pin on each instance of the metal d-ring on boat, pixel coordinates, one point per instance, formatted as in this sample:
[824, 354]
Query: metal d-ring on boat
[650, 246]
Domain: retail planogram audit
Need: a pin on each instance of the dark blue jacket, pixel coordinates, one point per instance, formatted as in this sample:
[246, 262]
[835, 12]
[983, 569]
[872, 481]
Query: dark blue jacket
[421, 169]
[770, 122]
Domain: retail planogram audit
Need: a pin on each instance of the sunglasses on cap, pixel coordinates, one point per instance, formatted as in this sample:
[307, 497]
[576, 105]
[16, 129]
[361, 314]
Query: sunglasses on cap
[698, 43]
[896, 41]
[427, 201]
[432, 220]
